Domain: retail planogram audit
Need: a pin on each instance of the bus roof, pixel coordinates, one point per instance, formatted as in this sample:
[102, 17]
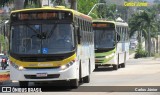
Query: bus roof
[115, 23]
[101, 20]
[121, 24]
[58, 8]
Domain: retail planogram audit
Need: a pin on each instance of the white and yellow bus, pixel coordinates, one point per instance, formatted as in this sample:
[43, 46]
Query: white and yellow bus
[51, 44]
[111, 43]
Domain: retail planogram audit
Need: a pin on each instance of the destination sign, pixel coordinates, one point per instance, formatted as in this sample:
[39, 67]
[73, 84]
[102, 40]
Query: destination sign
[103, 25]
[41, 15]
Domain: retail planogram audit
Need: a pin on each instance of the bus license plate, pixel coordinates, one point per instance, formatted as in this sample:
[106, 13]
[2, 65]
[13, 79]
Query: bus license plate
[41, 75]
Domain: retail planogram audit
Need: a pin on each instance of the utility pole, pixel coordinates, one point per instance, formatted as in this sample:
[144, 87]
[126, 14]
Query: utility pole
[19, 4]
[149, 42]
[73, 4]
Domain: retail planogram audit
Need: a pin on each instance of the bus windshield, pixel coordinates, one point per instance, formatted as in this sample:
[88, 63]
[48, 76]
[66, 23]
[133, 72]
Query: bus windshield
[42, 38]
[104, 38]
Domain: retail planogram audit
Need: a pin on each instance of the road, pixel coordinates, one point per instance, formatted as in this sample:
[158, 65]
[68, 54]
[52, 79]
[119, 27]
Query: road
[138, 72]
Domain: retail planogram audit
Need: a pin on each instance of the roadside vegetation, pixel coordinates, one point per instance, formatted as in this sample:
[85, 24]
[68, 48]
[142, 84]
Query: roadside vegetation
[146, 22]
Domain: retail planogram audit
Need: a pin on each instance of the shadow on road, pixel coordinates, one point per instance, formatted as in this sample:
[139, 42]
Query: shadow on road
[62, 86]
[102, 69]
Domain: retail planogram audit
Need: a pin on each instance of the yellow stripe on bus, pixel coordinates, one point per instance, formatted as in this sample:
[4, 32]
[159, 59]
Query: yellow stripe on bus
[43, 64]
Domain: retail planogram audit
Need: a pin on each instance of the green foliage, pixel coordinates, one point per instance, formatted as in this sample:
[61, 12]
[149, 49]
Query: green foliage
[142, 21]
[27, 3]
[84, 6]
[145, 21]
[32, 3]
[156, 55]
[3, 2]
[107, 11]
[140, 52]
[156, 1]
[59, 2]
[2, 42]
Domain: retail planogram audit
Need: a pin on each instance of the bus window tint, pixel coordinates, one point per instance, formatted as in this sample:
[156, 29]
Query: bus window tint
[104, 38]
[57, 38]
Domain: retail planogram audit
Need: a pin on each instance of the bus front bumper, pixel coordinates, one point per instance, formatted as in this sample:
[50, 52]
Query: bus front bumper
[43, 74]
[104, 61]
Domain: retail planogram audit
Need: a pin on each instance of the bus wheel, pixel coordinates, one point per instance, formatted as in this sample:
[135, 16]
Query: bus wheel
[23, 83]
[86, 79]
[74, 83]
[96, 66]
[123, 65]
[115, 67]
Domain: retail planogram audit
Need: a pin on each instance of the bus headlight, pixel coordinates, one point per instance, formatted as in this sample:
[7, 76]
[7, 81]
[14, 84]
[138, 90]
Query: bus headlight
[63, 67]
[16, 66]
[21, 68]
[107, 57]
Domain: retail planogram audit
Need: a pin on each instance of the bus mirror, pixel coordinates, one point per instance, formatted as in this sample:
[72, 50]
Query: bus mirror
[118, 38]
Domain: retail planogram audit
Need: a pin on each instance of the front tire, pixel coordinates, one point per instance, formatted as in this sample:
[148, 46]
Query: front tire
[123, 65]
[86, 79]
[74, 83]
[115, 67]
[23, 83]
[96, 66]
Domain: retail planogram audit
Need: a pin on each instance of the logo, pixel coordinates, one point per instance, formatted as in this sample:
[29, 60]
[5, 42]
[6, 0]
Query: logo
[17, 89]
[6, 89]
[44, 64]
[45, 50]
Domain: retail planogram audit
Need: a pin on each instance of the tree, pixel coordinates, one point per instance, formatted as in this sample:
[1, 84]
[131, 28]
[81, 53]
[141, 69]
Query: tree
[87, 6]
[20, 4]
[32, 3]
[144, 23]
[109, 10]
[3, 2]
[156, 1]
[58, 2]
[73, 4]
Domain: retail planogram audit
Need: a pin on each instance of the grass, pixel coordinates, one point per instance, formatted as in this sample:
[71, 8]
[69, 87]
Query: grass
[156, 55]
[131, 51]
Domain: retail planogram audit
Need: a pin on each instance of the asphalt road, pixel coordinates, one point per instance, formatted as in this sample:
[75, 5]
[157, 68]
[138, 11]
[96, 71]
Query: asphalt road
[138, 76]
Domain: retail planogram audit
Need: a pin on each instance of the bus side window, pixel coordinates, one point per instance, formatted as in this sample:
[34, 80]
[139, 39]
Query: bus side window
[123, 34]
[78, 35]
[126, 35]
[120, 34]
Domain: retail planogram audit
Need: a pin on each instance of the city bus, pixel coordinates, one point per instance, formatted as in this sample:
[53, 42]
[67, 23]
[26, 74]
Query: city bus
[51, 44]
[111, 43]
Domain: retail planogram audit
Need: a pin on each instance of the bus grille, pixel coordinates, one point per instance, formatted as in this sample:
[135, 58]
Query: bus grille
[100, 56]
[40, 59]
[47, 77]
[42, 67]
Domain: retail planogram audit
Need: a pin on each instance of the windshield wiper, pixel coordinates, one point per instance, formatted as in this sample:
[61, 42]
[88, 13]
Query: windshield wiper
[38, 35]
[32, 29]
[52, 30]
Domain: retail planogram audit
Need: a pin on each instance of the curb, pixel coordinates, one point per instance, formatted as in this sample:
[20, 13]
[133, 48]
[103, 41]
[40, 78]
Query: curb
[131, 56]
